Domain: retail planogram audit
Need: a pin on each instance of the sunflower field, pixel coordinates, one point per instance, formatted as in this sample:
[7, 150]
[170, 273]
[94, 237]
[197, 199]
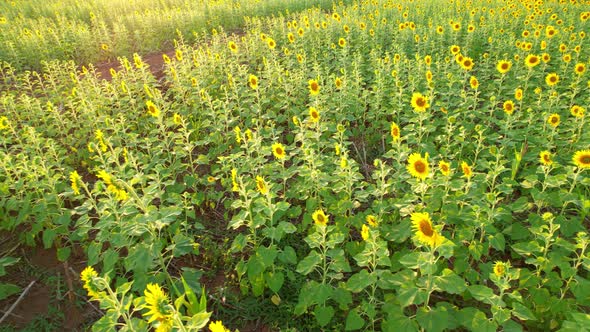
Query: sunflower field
[375, 165]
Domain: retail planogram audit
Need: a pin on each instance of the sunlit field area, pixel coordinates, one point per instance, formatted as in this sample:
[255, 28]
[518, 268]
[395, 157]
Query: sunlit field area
[411, 165]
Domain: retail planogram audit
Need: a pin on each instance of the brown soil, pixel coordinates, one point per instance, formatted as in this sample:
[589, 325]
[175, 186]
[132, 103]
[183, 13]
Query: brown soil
[155, 61]
[41, 302]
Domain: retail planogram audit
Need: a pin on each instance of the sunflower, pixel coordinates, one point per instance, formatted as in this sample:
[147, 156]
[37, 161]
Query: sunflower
[395, 132]
[444, 167]
[371, 220]
[428, 60]
[291, 37]
[238, 133]
[346, 28]
[428, 76]
[365, 232]
[234, 178]
[582, 159]
[157, 303]
[271, 43]
[152, 109]
[300, 32]
[338, 83]
[473, 82]
[75, 179]
[553, 120]
[508, 107]
[552, 79]
[418, 166]
[567, 58]
[314, 115]
[439, 30]
[545, 158]
[455, 49]
[532, 60]
[423, 230]
[503, 66]
[232, 46]
[466, 169]
[577, 111]
[550, 31]
[341, 42]
[314, 87]
[261, 185]
[467, 63]
[253, 81]
[500, 269]
[320, 218]
[419, 102]
[218, 327]
[177, 119]
[580, 69]
[278, 150]
[545, 57]
[518, 94]
[87, 276]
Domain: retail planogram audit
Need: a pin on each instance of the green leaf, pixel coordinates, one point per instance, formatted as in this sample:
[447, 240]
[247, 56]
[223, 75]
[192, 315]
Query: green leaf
[482, 293]
[267, 255]
[48, 237]
[522, 312]
[432, 320]
[359, 281]
[7, 261]
[323, 315]
[450, 282]
[307, 264]
[354, 321]
[7, 290]
[288, 255]
[275, 280]
[413, 295]
[63, 254]
[497, 241]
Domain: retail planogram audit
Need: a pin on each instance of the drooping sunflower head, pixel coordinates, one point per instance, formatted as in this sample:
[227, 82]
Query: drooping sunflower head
[503, 66]
[320, 218]
[553, 120]
[261, 185]
[444, 167]
[314, 114]
[395, 132]
[253, 81]
[532, 60]
[314, 87]
[419, 102]
[278, 150]
[88, 276]
[157, 303]
[424, 232]
[365, 232]
[552, 79]
[545, 158]
[75, 180]
[371, 220]
[582, 159]
[466, 169]
[418, 166]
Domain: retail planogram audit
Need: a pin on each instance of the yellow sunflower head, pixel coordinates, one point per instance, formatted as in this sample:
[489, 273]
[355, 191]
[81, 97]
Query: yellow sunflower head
[341, 42]
[508, 107]
[503, 66]
[518, 94]
[532, 60]
[418, 166]
[320, 218]
[152, 109]
[545, 158]
[253, 81]
[371, 220]
[580, 69]
[500, 269]
[338, 83]
[466, 169]
[577, 111]
[261, 185]
[157, 303]
[419, 102]
[552, 79]
[278, 150]
[424, 232]
[314, 87]
[444, 167]
[232, 46]
[467, 63]
[365, 232]
[582, 159]
[395, 132]
[473, 82]
[217, 327]
[314, 114]
[553, 120]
